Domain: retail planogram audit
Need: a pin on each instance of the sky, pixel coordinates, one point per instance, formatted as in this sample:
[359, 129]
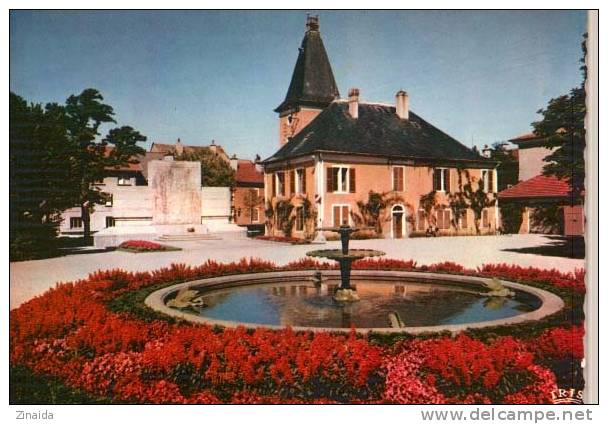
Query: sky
[480, 76]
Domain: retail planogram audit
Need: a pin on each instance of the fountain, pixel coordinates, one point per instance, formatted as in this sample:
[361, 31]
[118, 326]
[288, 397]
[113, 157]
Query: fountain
[379, 299]
[345, 257]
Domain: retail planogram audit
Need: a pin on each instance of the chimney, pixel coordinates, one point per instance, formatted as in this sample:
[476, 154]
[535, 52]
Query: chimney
[179, 147]
[353, 102]
[234, 162]
[258, 163]
[403, 105]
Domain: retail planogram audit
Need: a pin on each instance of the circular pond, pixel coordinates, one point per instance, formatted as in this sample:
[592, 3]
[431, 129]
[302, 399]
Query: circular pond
[389, 301]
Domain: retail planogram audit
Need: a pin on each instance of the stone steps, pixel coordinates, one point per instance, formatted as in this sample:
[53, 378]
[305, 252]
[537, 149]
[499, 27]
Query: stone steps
[187, 237]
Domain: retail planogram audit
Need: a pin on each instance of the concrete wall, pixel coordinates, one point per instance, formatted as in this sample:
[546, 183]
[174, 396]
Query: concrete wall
[215, 202]
[128, 201]
[176, 192]
[531, 161]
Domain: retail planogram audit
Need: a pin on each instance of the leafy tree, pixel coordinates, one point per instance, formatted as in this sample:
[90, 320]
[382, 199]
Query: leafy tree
[563, 128]
[508, 170]
[215, 171]
[457, 201]
[309, 215]
[84, 114]
[511, 216]
[428, 202]
[39, 166]
[478, 200]
[372, 213]
[252, 200]
[56, 150]
[269, 213]
[284, 217]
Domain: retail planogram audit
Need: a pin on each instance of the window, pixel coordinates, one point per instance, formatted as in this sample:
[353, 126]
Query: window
[341, 215]
[421, 220]
[109, 200]
[98, 181]
[341, 179]
[124, 181]
[75, 222]
[463, 220]
[255, 215]
[485, 219]
[398, 173]
[443, 219]
[110, 221]
[487, 179]
[280, 184]
[299, 218]
[441, 179]
[301, 181]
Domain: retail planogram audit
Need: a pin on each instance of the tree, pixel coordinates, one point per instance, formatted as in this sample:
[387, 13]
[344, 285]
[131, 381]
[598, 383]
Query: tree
[457, 201]
[285, 219]
[252, 200]
[508, 169]
[372, 212]
[39, 165]
[215, 171]
[563, 128]
[309, 216]
[428, 202]
[478, 200]
[84, 114]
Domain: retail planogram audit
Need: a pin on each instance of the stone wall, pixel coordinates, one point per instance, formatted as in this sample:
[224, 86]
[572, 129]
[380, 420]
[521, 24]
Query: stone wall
[176, 192]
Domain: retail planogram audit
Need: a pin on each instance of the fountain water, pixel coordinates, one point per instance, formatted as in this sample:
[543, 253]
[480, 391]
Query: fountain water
[345, 257]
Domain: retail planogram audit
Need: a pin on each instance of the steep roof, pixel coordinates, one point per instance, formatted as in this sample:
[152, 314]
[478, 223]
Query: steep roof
[539, 186]
[378, 131]
[312, 81]
[134, 165]
[247, 173]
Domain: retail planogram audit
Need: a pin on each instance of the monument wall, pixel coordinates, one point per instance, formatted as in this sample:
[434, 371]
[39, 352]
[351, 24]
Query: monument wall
[175, 188]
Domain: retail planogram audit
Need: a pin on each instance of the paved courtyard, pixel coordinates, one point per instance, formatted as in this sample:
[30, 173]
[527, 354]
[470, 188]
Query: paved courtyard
[31, 278]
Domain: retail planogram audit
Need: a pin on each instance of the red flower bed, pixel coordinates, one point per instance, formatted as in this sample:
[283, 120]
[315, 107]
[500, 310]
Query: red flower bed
[69, 333]
[283, 239]
[141, 246]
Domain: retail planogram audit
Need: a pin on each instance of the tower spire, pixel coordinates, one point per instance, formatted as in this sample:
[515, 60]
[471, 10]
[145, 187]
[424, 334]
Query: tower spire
[312, 82]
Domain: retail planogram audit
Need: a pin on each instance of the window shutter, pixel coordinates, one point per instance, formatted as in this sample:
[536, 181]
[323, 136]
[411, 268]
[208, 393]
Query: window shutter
[344, 215]
[292, 181]
[421, 219]
[274, 184]
[446, 180]
[330, 180]
[336, 216]
[303, 188]
[351, 176]
[490, 181]
[436, 179]
[401, 179]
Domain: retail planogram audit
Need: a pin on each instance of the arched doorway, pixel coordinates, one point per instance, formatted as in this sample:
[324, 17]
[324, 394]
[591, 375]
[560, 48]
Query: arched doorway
[398, 222]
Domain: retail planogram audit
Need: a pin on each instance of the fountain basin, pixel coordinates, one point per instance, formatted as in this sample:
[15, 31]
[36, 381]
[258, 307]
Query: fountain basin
[336, 254]
[301, 307]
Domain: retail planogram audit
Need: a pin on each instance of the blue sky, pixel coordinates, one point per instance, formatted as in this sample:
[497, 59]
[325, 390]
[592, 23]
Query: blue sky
[203, 75]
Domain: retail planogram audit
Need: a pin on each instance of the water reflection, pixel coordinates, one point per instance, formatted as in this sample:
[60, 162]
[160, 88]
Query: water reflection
[303, 304]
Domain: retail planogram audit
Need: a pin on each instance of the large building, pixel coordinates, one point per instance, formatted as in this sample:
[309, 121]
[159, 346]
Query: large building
[334, 152]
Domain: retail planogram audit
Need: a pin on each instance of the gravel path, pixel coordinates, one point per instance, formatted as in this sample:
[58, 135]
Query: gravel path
[30, 278]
